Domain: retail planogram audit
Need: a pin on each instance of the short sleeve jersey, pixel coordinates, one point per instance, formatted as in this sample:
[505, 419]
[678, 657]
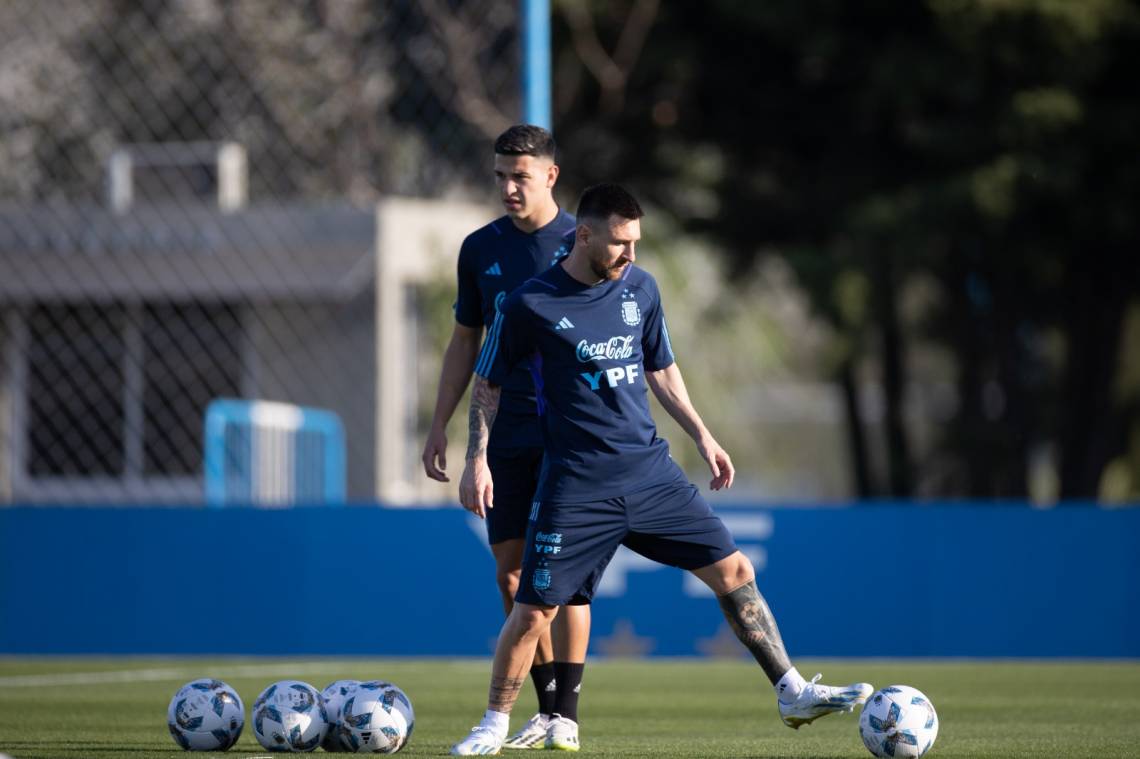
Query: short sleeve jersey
[493, 261]
[588, 347]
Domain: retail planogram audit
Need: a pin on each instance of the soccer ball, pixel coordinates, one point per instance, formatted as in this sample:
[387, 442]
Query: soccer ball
[376, 718]
[205, 715]
[333, 696]
[898, 721]
[289, 715]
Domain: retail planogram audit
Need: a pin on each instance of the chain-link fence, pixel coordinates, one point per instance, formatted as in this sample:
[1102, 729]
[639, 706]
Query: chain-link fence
[187, 212]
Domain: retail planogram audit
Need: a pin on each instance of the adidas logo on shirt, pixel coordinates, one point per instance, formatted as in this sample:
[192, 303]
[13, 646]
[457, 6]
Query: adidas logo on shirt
[494, 270]
[564, 323]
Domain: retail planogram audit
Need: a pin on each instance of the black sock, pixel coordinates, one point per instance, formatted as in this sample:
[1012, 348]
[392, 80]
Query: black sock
[543, 676]
[569, 678]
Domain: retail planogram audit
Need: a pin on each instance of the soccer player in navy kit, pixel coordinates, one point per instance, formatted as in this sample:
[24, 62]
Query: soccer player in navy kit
[592, 331]
[494, 260]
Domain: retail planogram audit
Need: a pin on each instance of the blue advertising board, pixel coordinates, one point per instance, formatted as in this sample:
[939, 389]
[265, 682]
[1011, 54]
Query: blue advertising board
[881, 581]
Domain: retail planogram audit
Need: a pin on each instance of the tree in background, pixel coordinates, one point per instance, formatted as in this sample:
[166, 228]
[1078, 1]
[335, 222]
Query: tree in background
[951, 181]
[954, 178]
[336, 99]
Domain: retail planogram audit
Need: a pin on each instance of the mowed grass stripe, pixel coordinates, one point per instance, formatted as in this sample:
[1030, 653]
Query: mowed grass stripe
[659, 708]
[106, 677]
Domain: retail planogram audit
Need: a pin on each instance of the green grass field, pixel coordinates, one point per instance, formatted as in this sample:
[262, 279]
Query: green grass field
[100, 708]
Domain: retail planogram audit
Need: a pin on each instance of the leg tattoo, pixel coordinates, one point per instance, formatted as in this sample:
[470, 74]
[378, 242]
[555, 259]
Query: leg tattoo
[750, 618]
[504, 693]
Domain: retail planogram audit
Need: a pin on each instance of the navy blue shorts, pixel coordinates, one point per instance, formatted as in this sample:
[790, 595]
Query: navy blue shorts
[515, 474]
[570, 544]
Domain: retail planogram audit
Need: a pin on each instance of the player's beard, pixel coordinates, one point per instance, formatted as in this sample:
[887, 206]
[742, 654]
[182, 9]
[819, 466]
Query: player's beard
[607, 273]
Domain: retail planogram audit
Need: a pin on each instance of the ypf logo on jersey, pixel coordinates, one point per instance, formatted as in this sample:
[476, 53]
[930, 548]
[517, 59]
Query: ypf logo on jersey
[630, 313]
[614, 376]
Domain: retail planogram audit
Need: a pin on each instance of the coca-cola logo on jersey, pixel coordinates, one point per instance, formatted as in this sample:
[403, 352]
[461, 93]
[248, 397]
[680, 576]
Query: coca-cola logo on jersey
[618, 347]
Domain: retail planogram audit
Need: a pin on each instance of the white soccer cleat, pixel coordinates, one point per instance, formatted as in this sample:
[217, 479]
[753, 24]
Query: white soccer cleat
[817, 701]
[481, 741]
[562, 734]
[532, 734]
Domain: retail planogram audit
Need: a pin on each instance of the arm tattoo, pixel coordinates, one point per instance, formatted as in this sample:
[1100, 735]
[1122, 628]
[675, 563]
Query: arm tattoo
[504, 693]
[484, 407]
[750, 618]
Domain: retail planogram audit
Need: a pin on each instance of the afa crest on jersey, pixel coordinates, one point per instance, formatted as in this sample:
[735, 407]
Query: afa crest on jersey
[630, 313]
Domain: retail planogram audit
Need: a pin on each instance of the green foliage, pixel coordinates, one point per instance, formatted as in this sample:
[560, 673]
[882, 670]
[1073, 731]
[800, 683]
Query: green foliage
[731, 344]
[985, 148]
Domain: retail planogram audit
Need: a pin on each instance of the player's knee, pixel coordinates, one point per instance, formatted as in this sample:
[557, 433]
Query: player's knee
[728, 574]
[739, 571]
[508, 581]
[531, 620]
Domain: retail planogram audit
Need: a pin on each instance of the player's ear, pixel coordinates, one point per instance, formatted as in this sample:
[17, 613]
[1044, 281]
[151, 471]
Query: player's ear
[581, 235]
[552, 175]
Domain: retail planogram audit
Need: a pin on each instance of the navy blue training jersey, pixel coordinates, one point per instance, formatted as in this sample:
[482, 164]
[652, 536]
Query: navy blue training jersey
[493, 261]
[588, 347]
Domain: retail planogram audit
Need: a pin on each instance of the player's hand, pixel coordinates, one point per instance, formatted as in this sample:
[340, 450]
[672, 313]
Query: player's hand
[720, 464]
[436, 449]
[476, 489]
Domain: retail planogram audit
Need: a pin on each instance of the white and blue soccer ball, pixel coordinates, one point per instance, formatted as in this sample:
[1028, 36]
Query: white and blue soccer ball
[898, 721]
[289, 716]
[205, 715]
[376, 718]
[333, 696]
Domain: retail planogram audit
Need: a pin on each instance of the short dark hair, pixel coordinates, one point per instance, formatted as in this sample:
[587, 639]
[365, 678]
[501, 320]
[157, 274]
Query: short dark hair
[604, 200]
[526, 139]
